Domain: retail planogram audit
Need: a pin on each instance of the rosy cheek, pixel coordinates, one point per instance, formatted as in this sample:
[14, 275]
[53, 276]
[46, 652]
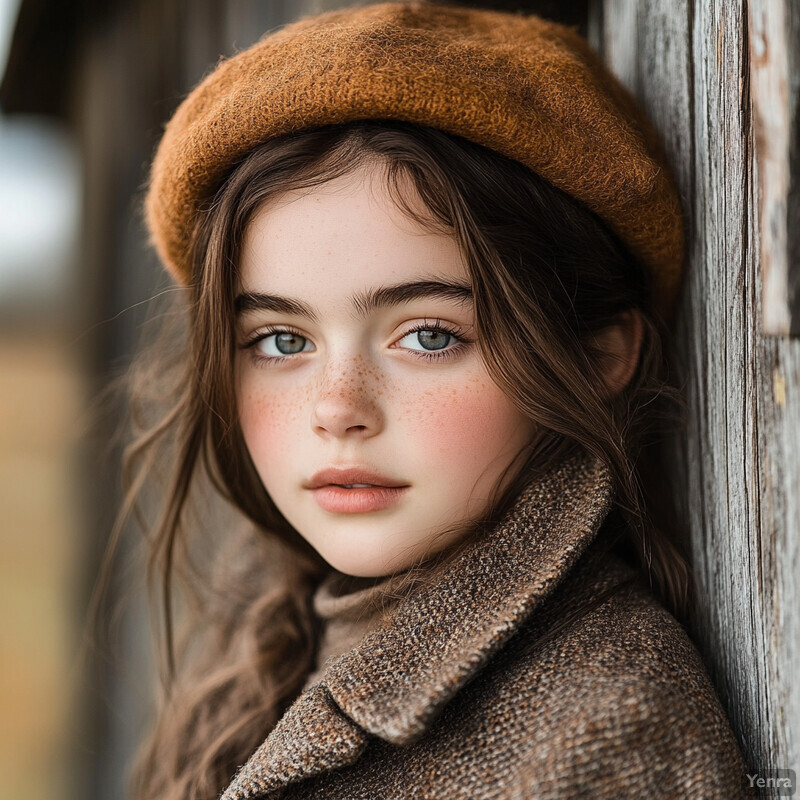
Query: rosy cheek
[269, 421]
[465, 424]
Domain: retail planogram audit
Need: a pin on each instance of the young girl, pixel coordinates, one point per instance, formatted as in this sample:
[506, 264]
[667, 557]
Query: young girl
[428, 255]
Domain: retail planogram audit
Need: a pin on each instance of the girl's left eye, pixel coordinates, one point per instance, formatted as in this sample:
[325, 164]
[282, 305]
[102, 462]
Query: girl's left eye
[430, 341]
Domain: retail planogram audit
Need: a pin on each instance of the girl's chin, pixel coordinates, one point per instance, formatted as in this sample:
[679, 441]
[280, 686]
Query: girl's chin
[369, 556]
[362, 567]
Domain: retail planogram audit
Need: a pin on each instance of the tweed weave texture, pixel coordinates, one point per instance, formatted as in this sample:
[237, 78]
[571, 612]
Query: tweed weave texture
[349, 609]
[527, 88]
[467, 691]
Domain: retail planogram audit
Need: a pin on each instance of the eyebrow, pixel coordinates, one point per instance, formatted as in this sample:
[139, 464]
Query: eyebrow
[363, 302]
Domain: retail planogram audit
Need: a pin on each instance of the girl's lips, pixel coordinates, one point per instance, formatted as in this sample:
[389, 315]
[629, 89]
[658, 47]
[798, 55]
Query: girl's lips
[339, 500]
[347, 476]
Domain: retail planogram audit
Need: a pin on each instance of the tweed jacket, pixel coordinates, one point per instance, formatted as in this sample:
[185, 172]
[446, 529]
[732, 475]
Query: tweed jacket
[467, 692]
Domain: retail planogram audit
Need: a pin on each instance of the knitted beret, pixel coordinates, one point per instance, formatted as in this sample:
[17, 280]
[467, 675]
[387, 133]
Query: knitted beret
[530, 89]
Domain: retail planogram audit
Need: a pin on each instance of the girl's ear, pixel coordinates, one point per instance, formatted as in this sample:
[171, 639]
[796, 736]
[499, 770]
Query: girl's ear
[620, 344]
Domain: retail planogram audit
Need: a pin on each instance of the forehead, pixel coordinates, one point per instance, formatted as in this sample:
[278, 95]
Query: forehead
[339, 238]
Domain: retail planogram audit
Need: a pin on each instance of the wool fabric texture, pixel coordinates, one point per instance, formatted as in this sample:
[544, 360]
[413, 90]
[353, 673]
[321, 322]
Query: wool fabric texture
[349, 608]
[530, 89]
[468, 692]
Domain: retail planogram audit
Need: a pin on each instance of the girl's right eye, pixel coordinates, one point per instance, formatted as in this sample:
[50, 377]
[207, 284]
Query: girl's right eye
[277, 345]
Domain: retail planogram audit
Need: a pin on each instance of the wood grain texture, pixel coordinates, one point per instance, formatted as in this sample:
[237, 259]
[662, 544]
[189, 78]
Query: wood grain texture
[774, 29]
[737, 468]
[793, 198]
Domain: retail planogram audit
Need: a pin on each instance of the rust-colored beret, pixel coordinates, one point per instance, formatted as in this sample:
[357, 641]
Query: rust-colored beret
[530, 89]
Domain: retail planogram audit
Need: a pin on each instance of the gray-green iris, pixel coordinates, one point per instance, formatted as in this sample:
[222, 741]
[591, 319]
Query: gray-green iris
[289, 343]
[433, 340]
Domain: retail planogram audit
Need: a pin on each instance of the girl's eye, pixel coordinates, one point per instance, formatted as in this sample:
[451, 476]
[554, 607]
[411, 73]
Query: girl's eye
[282, 343]
[433, 341]
[427, 339]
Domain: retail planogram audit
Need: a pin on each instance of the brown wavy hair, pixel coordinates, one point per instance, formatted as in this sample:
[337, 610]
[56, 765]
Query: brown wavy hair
[547, 276]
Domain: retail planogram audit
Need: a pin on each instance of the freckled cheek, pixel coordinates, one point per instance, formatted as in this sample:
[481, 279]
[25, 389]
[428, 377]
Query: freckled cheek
[462, 425]
[270, 420]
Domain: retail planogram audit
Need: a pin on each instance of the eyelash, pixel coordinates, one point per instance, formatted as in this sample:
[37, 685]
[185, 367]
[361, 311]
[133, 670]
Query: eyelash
[433, 355]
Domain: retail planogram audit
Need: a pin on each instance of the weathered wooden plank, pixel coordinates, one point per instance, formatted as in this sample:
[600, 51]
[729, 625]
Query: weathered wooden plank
[722, 377]
[746, 425]
[774, 42]
[793, 200]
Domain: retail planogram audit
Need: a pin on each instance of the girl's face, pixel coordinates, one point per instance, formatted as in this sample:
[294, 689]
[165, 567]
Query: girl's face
[357, 365]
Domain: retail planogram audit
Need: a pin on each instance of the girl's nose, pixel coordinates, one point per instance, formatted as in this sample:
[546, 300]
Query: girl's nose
[346, 404]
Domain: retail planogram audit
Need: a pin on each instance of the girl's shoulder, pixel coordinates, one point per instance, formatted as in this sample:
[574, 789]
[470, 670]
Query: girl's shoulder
[604, 682]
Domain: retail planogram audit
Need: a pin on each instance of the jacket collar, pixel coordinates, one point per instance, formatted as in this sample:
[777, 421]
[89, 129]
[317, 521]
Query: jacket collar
[396, 681]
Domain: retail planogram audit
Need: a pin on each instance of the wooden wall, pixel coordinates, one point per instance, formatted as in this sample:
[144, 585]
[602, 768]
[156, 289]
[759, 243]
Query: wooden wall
[738, 470]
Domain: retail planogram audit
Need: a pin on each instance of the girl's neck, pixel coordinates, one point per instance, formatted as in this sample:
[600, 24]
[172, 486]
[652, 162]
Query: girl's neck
[348, 608]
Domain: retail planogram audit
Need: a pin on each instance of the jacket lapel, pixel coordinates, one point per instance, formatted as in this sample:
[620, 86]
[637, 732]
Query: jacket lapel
[396, 681]
[311, 737]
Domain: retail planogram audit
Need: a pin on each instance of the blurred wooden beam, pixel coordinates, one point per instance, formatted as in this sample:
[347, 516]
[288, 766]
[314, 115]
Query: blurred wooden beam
[43, 54]
[575, 14]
